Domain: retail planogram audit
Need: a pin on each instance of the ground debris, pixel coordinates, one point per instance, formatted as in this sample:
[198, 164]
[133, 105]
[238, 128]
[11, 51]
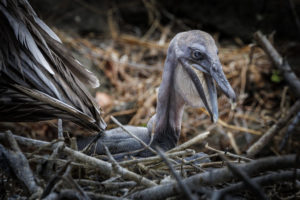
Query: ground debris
[132, 69]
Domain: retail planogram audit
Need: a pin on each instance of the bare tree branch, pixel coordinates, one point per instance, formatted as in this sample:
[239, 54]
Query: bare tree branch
[217, 176]
[289, 76]
[104, 167]
[267, 137]
[186, 190]
[262, 181]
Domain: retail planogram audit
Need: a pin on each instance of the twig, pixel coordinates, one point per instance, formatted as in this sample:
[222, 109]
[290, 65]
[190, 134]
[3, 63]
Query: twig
[266, 138]
[53, 142]
[132, 135]
[262, 180]
[60, 130]
[76, 186]
[289, 76]
[55, 154]
[233, 143]
[289, 131]
[227, 153]
[55, 178]
[124, 38]
[217, 176]
[151, 159]
[104, 167]
[37, 158]
[197, 139]
[18, 163]
[245, 178]
[186, 190]
[93, 141]
[111, 186]
[117, 169]
[238, 128]
[201, 158]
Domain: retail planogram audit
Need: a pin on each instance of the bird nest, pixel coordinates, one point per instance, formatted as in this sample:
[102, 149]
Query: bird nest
[212, 160]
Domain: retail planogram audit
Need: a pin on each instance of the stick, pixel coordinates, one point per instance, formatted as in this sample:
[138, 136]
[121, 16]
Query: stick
[18, 164]
[54, 180]
[233, 143]
[227, 153]
[186, 190]
[217, 176]
[115, 165]
[290, 131]
[104, 167]
[132, 135]
[266, 138]
[187, 152]
[268, 179]
[289, 76]
[246, 179]
[197, 139]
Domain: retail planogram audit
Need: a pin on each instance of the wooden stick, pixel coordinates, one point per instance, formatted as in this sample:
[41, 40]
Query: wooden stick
[266, 138]
[104, 167]
[252, 186]
[18, 164]
[197, 139]
[132, 135]
[217, 176]
[186, 190]
[233, 143]
[227, 153]
[289, 76]
[187, 152]
[264, 180]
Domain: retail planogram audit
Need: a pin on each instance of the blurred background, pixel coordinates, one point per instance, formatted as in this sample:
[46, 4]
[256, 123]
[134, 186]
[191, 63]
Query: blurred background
[124, 43]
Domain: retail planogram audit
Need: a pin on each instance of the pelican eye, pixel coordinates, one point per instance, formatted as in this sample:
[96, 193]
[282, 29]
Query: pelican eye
[197, 55]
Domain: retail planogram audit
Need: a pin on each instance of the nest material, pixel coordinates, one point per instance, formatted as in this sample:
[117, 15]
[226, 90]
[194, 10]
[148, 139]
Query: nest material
[133, 67]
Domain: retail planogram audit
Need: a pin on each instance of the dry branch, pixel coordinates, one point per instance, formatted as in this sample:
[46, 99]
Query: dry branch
[268, 179]
[18, 163]
[227, 153]
[246, 179]
[186, 190]
[218, 176]
[187, 152]
[289, 76]
[267, 137]
[134, 136]
[199, 138]
[104, 167]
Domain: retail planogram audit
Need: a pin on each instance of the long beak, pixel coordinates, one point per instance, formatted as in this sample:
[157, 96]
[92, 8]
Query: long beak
[205, 85]
[218, 75]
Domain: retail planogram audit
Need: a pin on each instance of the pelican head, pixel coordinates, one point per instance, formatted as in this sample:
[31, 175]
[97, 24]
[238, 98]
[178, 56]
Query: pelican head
[197, 70]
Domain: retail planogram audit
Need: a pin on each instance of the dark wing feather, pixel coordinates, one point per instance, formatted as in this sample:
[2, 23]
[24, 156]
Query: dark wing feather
[77, 69]
[24, 36]
[39, 79]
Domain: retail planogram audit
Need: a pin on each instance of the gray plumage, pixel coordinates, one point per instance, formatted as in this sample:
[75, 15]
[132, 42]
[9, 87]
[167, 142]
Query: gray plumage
[39, 79]
[191, 69]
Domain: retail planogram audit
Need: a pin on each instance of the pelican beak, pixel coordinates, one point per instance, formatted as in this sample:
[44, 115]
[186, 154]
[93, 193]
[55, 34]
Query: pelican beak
[206, 77]
[216, 72]
[203, 78]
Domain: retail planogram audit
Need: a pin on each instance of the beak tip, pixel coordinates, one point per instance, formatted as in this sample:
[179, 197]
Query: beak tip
[231, 95]
[233, 98]
[214, 120]
[214, 117]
